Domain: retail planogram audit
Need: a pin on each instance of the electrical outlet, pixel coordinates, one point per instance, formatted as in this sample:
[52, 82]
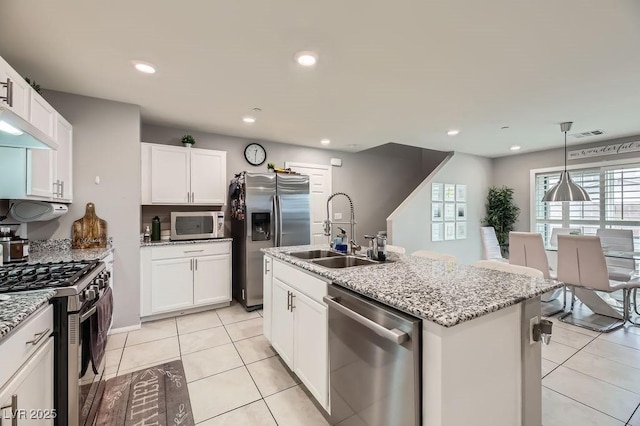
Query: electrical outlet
[533, 321]
[337, 216]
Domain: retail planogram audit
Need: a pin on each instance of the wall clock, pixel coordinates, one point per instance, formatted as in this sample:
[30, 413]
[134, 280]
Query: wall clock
[255, 154]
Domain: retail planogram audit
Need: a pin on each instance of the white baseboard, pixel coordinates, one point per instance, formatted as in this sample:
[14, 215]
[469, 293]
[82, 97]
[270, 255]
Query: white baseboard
[124, 329]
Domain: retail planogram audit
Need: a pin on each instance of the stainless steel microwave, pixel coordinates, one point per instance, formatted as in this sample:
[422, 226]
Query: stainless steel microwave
[197, 225]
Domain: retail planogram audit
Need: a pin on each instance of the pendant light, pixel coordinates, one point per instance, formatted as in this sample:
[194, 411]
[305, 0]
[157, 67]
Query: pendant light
[566, 189]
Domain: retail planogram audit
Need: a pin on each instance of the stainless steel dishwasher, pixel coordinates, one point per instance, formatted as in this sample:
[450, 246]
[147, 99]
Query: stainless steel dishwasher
[374, 360]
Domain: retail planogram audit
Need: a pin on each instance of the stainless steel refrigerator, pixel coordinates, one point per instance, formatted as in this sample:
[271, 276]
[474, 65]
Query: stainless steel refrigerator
[267, 210]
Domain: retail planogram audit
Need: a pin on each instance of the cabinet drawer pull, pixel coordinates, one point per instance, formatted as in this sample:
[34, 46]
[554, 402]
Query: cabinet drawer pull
[9, 97]
[266, 266]
[14, 410]
[38, 337]
[193, 251]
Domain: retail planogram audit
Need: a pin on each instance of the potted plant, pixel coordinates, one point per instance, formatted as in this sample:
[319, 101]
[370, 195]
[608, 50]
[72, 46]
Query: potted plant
[502, 213]
[271, 167]
[188, 140]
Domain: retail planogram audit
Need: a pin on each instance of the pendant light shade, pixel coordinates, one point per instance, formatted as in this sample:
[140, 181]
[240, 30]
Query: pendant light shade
[566, 189]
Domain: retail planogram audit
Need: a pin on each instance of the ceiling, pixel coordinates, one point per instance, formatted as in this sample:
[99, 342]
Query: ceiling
[404, 72]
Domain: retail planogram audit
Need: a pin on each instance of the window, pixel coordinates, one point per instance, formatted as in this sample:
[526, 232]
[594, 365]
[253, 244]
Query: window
[615, 201]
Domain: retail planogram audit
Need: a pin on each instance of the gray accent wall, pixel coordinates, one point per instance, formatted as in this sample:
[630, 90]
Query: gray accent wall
[411, 223]
[106, 143]
[378, 179]
[514, 171]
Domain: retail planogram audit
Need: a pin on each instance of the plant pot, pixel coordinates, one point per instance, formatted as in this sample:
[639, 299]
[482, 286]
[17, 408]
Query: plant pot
[270, 170]
[188, 145]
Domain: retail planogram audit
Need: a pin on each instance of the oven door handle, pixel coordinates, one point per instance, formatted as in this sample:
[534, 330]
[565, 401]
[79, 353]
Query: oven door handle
[87, 314]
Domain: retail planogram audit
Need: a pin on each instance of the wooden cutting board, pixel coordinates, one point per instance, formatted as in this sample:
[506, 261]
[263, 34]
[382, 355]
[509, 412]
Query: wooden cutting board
[89, 231]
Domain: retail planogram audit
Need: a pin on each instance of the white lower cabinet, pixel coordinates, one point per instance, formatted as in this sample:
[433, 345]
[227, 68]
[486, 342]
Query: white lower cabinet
[171, 284]
[28, 396]
[177, 277]
[297, 326]
[26, 372]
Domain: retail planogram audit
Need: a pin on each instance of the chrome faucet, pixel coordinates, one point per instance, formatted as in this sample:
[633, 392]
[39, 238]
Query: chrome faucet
[352, 223]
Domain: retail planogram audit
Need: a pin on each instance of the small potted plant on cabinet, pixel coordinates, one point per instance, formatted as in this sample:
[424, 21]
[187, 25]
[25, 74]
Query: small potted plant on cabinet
[188, 140]
[271, 167]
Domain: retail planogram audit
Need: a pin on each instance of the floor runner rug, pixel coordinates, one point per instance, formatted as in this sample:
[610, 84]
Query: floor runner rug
[156, 395]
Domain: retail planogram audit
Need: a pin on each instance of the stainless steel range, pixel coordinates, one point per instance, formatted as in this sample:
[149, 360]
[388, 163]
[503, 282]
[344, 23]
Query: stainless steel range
[78, 385]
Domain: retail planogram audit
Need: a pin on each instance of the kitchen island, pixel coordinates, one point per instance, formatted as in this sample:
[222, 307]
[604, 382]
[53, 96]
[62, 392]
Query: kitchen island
[478, 366]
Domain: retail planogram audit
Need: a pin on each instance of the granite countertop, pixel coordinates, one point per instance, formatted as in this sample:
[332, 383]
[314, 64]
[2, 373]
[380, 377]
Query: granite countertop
[175, 243]
[19, 307]
[69, 255]
[444, 293]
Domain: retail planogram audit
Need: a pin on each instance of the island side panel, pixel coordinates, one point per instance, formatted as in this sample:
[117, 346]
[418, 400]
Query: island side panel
[472, 372]
[531, 366]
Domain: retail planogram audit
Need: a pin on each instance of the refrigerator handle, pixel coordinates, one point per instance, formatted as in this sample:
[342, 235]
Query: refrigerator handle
[276, 221]
[278, 214]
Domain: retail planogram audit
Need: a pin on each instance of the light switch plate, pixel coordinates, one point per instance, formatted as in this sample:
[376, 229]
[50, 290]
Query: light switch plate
[337, 216]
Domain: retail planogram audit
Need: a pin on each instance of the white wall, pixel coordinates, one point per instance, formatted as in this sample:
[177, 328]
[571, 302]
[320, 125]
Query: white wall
[410, 224]
[514, 171]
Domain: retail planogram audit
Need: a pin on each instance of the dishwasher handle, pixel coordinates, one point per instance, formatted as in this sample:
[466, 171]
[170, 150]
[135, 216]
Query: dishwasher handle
[395, 335]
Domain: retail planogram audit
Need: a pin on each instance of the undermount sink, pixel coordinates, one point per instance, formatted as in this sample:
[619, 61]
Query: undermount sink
[343, 262]
[315, 254]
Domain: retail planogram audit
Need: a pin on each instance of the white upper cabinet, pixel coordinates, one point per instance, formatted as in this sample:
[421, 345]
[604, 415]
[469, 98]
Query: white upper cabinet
[15, 92]
[42, 115]
[208, 176]
[175, 175]
[63, 161]
[39, 174]
[169, 175]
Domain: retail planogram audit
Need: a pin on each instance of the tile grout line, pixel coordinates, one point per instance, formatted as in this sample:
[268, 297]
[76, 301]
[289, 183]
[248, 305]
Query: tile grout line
[582, 403]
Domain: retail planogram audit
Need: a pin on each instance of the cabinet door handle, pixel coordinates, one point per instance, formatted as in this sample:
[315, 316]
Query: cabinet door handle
[38, 337]
[191, 264]
[14, 410]
[53, 190]
[266, 266]
[288, 300]
[61, 183]
[193, 197]
[196, 264]
[293, 299]
[188, 197]
[9, 97]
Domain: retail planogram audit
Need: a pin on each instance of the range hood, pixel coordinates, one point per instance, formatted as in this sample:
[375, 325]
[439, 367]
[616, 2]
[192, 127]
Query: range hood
[16, 132]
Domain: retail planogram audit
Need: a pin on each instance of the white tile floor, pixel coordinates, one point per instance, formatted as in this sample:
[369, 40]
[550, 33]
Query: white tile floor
[233, 374]
[235, 377]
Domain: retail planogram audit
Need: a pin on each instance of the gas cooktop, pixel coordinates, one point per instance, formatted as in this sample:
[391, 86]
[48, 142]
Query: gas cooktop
[22, 277]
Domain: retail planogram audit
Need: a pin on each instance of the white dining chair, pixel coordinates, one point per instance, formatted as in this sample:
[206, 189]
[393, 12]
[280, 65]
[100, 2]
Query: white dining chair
[618, 240]
[507, 267]
[527, 249]
[553, 240]
[396, 249]
[581, 263]
[490, 246]
[435, 256]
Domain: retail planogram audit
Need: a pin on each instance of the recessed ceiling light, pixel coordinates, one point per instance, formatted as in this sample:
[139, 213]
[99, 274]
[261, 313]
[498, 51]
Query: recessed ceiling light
[144, 67]
[515, 148]
[306, 58]
[249, 119]
[453, 132]
[325, 141]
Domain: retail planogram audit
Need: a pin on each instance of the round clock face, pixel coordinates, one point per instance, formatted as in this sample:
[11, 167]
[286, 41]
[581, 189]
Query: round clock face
[255, 154]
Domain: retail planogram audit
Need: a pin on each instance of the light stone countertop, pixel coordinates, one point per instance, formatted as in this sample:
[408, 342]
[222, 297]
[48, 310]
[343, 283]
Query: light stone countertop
[444, 293]
[69, 255]
[175, 243]
[19, 307]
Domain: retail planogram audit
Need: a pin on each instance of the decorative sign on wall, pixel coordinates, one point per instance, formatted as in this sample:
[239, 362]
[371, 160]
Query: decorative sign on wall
[599, 151]
[448, 212]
